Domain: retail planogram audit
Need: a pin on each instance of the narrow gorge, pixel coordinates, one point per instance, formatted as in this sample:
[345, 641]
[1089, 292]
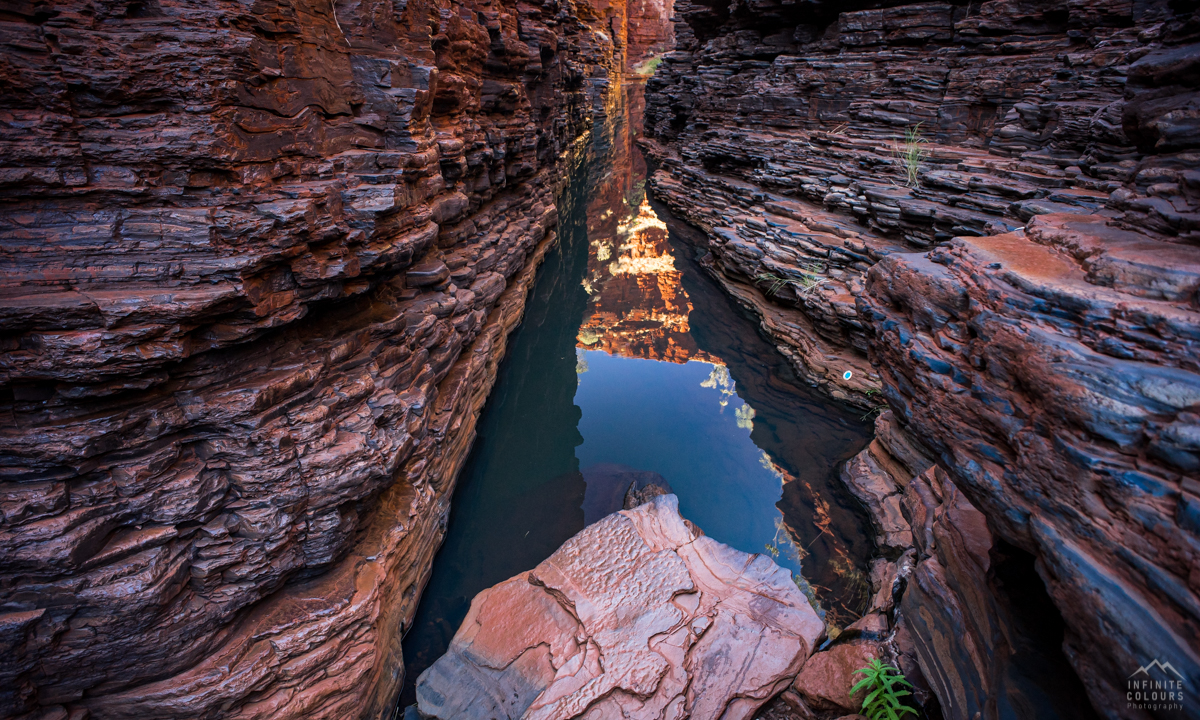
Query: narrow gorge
[599, 358]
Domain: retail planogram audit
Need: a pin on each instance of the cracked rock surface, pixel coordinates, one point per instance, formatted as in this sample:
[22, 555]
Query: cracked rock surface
[637, 616]
[1054, 374]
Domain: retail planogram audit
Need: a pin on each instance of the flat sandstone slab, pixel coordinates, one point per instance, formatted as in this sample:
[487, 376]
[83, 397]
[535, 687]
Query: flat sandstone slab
[637, 616]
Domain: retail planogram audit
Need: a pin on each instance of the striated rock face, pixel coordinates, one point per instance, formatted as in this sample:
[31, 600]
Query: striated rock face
[1045, 359]
[651, 32]
[781, 129]
[1054, 373]
[960, 612]
[637, 616]
[259, 262]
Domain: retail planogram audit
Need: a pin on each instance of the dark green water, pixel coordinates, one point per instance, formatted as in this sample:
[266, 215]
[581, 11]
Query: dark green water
[631, 363]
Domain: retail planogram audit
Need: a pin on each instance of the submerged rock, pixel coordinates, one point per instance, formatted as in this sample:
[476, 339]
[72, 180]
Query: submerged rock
[636, 496]
[612, 487]
[637, 616]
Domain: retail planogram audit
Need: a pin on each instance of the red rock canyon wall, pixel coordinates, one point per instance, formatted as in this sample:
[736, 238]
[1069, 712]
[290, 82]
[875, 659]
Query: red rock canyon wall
[1027, 302]
[259, 262]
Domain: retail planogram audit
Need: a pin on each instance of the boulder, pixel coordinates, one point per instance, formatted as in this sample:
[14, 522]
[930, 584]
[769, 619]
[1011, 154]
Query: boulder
[637, 616]
[828, 676]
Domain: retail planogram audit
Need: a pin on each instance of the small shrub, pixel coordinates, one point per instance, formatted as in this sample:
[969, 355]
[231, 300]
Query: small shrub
[884, 692]
[810, 278]
[875, 410]
[647, 67]
[912, 154]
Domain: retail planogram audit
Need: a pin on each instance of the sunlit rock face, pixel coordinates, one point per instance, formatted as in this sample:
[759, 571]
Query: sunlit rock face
[651, 33]
[641, 29]
[1045, 358]
[639, 307]
[259, 264]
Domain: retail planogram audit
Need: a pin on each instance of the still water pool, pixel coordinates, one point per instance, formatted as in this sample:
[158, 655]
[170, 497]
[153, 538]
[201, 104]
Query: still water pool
[631, 365]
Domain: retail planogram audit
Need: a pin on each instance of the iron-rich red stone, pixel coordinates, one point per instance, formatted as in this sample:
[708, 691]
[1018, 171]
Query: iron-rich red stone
[638, 616]
[259, 262]
[1046, 358]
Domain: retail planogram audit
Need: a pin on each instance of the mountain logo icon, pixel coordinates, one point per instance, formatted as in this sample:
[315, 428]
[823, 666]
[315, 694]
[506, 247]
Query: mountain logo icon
[1162, 667]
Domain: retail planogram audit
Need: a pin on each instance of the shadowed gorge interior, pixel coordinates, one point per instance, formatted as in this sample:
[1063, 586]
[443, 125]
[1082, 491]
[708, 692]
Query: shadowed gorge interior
[550, 359]
[631, 362]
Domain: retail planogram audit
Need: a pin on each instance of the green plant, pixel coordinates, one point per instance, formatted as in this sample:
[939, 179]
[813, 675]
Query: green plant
[883, 698]
[911, 154]
[875, 410]
[810, 278]
[647, 67]
[809, 593]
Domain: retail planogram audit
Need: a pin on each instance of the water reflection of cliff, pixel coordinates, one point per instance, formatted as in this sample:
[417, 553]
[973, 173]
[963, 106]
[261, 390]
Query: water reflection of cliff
[637, 304]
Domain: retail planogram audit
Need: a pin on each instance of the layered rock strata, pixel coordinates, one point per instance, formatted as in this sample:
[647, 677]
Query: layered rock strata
[637, 616]
[961, 614]
[1044, 359]
[1053, 372]
[258, 266]
[783, 131]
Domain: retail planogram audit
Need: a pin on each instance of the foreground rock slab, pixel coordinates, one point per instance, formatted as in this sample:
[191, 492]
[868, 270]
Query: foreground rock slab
[637, 616]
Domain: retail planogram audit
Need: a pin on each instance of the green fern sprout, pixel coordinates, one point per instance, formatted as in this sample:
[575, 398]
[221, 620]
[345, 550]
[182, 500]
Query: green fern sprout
[912, 154]
[883, 699]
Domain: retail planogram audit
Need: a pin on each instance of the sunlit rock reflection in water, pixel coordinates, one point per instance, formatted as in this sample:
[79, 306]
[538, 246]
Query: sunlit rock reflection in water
[653, 401]
[632, 366]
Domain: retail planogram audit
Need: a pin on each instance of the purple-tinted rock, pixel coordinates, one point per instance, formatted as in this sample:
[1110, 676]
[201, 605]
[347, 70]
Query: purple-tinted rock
[233, 424]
